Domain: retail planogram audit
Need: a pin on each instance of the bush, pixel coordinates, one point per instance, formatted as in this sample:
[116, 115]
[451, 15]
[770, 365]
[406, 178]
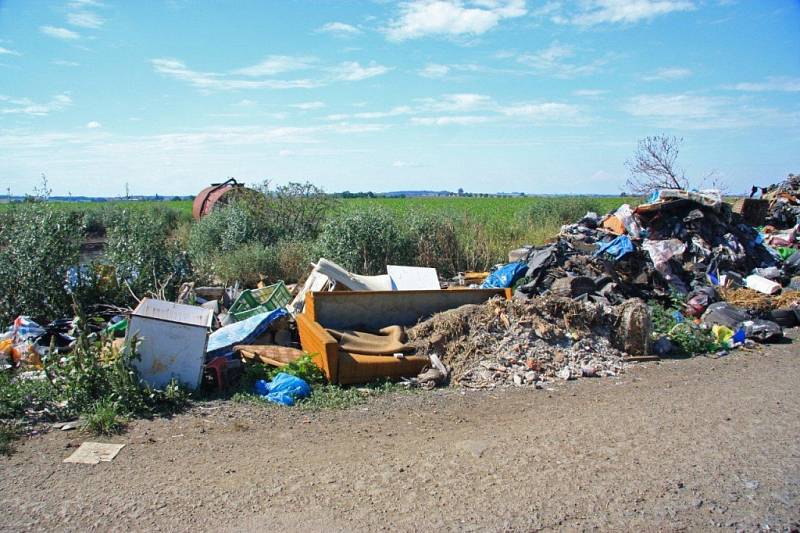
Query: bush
[366, 240]
[293, 259]
[144, 256]
[284, 220]
[246, 264]
[436, 243]
[38, 245]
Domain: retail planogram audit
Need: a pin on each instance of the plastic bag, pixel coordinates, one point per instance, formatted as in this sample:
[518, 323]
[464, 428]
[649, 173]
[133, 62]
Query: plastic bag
[663, 250]
[283, 389]
[505, 276]
[617, 248]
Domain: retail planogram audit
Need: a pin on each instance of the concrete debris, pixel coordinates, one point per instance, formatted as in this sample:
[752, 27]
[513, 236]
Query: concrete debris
[524, 343]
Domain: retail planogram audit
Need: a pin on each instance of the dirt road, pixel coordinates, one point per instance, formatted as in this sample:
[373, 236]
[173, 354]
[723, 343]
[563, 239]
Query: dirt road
[693, 444]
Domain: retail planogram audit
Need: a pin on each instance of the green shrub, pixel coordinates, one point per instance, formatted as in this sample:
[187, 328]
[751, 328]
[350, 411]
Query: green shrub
[436, 243]
[245, 264]
[144, 256]
[365, 240]
[293, 259]
[285, 219]
[38, 245]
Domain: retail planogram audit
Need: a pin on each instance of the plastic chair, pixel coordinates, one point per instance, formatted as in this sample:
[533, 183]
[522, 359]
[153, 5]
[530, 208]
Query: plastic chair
[219, 366]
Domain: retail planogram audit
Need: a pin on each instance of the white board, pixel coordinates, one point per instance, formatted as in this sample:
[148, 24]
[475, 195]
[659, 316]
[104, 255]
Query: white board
[408, 278]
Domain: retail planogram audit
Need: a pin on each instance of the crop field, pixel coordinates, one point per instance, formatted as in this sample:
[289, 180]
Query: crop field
[512, 220]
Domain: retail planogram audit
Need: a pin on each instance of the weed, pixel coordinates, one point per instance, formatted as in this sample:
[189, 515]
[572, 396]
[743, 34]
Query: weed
[303, 368]
[688, 338]
[337, 397]
[103, 419]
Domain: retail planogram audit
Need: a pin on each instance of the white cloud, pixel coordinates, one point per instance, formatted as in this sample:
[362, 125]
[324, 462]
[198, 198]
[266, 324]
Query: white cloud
[339, 29]
[555, 60]
[592, 12]
[277, 65]
[589, 93]
[64, 63]
[772, 84]
[353, 71]
[26, 106]
[305, 106]
[668, 74]
[420, 18]
[255, 75]
[85, 19]
[214, 81]
[6, 51]
[93, 125]
[547, 111]
[80, 4]
[692, 111]
[433, 70]
[406, 164]
[457, 102]
[459, 120]
[59, 33]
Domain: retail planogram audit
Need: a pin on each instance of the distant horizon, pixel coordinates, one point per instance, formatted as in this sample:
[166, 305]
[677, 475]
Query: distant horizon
[543, 97]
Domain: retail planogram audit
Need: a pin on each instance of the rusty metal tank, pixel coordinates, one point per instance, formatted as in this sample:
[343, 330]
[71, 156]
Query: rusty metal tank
[215, 194]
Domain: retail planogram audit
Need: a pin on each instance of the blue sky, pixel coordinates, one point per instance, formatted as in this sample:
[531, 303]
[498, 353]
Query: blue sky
[488, 95]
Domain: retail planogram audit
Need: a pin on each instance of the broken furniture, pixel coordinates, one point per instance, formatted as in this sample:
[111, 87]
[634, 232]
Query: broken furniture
[373, 310]
[172, 342]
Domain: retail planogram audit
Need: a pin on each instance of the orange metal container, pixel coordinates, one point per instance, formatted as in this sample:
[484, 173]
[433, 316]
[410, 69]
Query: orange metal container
[216, 193]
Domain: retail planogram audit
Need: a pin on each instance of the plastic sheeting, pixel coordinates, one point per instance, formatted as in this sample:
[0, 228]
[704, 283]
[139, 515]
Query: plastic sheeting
[617, 248]
[222, 341]
[505, 276]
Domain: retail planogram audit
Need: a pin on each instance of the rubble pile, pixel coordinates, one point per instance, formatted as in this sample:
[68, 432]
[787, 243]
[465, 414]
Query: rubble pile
[531, 342]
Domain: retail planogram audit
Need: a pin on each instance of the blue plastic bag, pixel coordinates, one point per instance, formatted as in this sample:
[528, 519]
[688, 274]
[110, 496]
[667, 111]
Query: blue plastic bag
[617, 248]
[283, 389]
[505, 276]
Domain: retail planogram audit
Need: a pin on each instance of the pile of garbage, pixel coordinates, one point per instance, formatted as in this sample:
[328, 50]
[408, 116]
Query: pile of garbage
[784, 203]
[684, 246]
[533, 342]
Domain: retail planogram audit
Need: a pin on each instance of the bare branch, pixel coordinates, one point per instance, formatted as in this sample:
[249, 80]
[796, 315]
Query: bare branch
[653, 165]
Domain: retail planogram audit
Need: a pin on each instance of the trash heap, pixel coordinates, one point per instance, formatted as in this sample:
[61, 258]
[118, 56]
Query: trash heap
[533, 341]
[677, 242]
[784, 203]
[679, 246]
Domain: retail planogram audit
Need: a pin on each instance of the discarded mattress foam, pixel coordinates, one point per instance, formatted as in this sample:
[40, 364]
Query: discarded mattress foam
[221, 343]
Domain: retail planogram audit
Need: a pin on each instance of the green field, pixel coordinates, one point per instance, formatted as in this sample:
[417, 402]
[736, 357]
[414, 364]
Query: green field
[511, 220]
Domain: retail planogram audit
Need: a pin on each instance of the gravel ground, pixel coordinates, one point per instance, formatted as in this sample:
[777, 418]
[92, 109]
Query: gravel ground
[688, 444]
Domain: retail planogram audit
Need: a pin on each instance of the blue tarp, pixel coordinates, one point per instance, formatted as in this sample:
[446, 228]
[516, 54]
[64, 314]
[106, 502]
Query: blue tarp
[505, 276]
[222, 341]
[617, 248]
[283, 389]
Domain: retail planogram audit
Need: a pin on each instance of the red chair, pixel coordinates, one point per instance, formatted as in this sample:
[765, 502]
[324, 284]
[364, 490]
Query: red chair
[219, 366]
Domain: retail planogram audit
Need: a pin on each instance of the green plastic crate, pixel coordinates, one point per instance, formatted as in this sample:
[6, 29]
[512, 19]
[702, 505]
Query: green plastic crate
[255, 301]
